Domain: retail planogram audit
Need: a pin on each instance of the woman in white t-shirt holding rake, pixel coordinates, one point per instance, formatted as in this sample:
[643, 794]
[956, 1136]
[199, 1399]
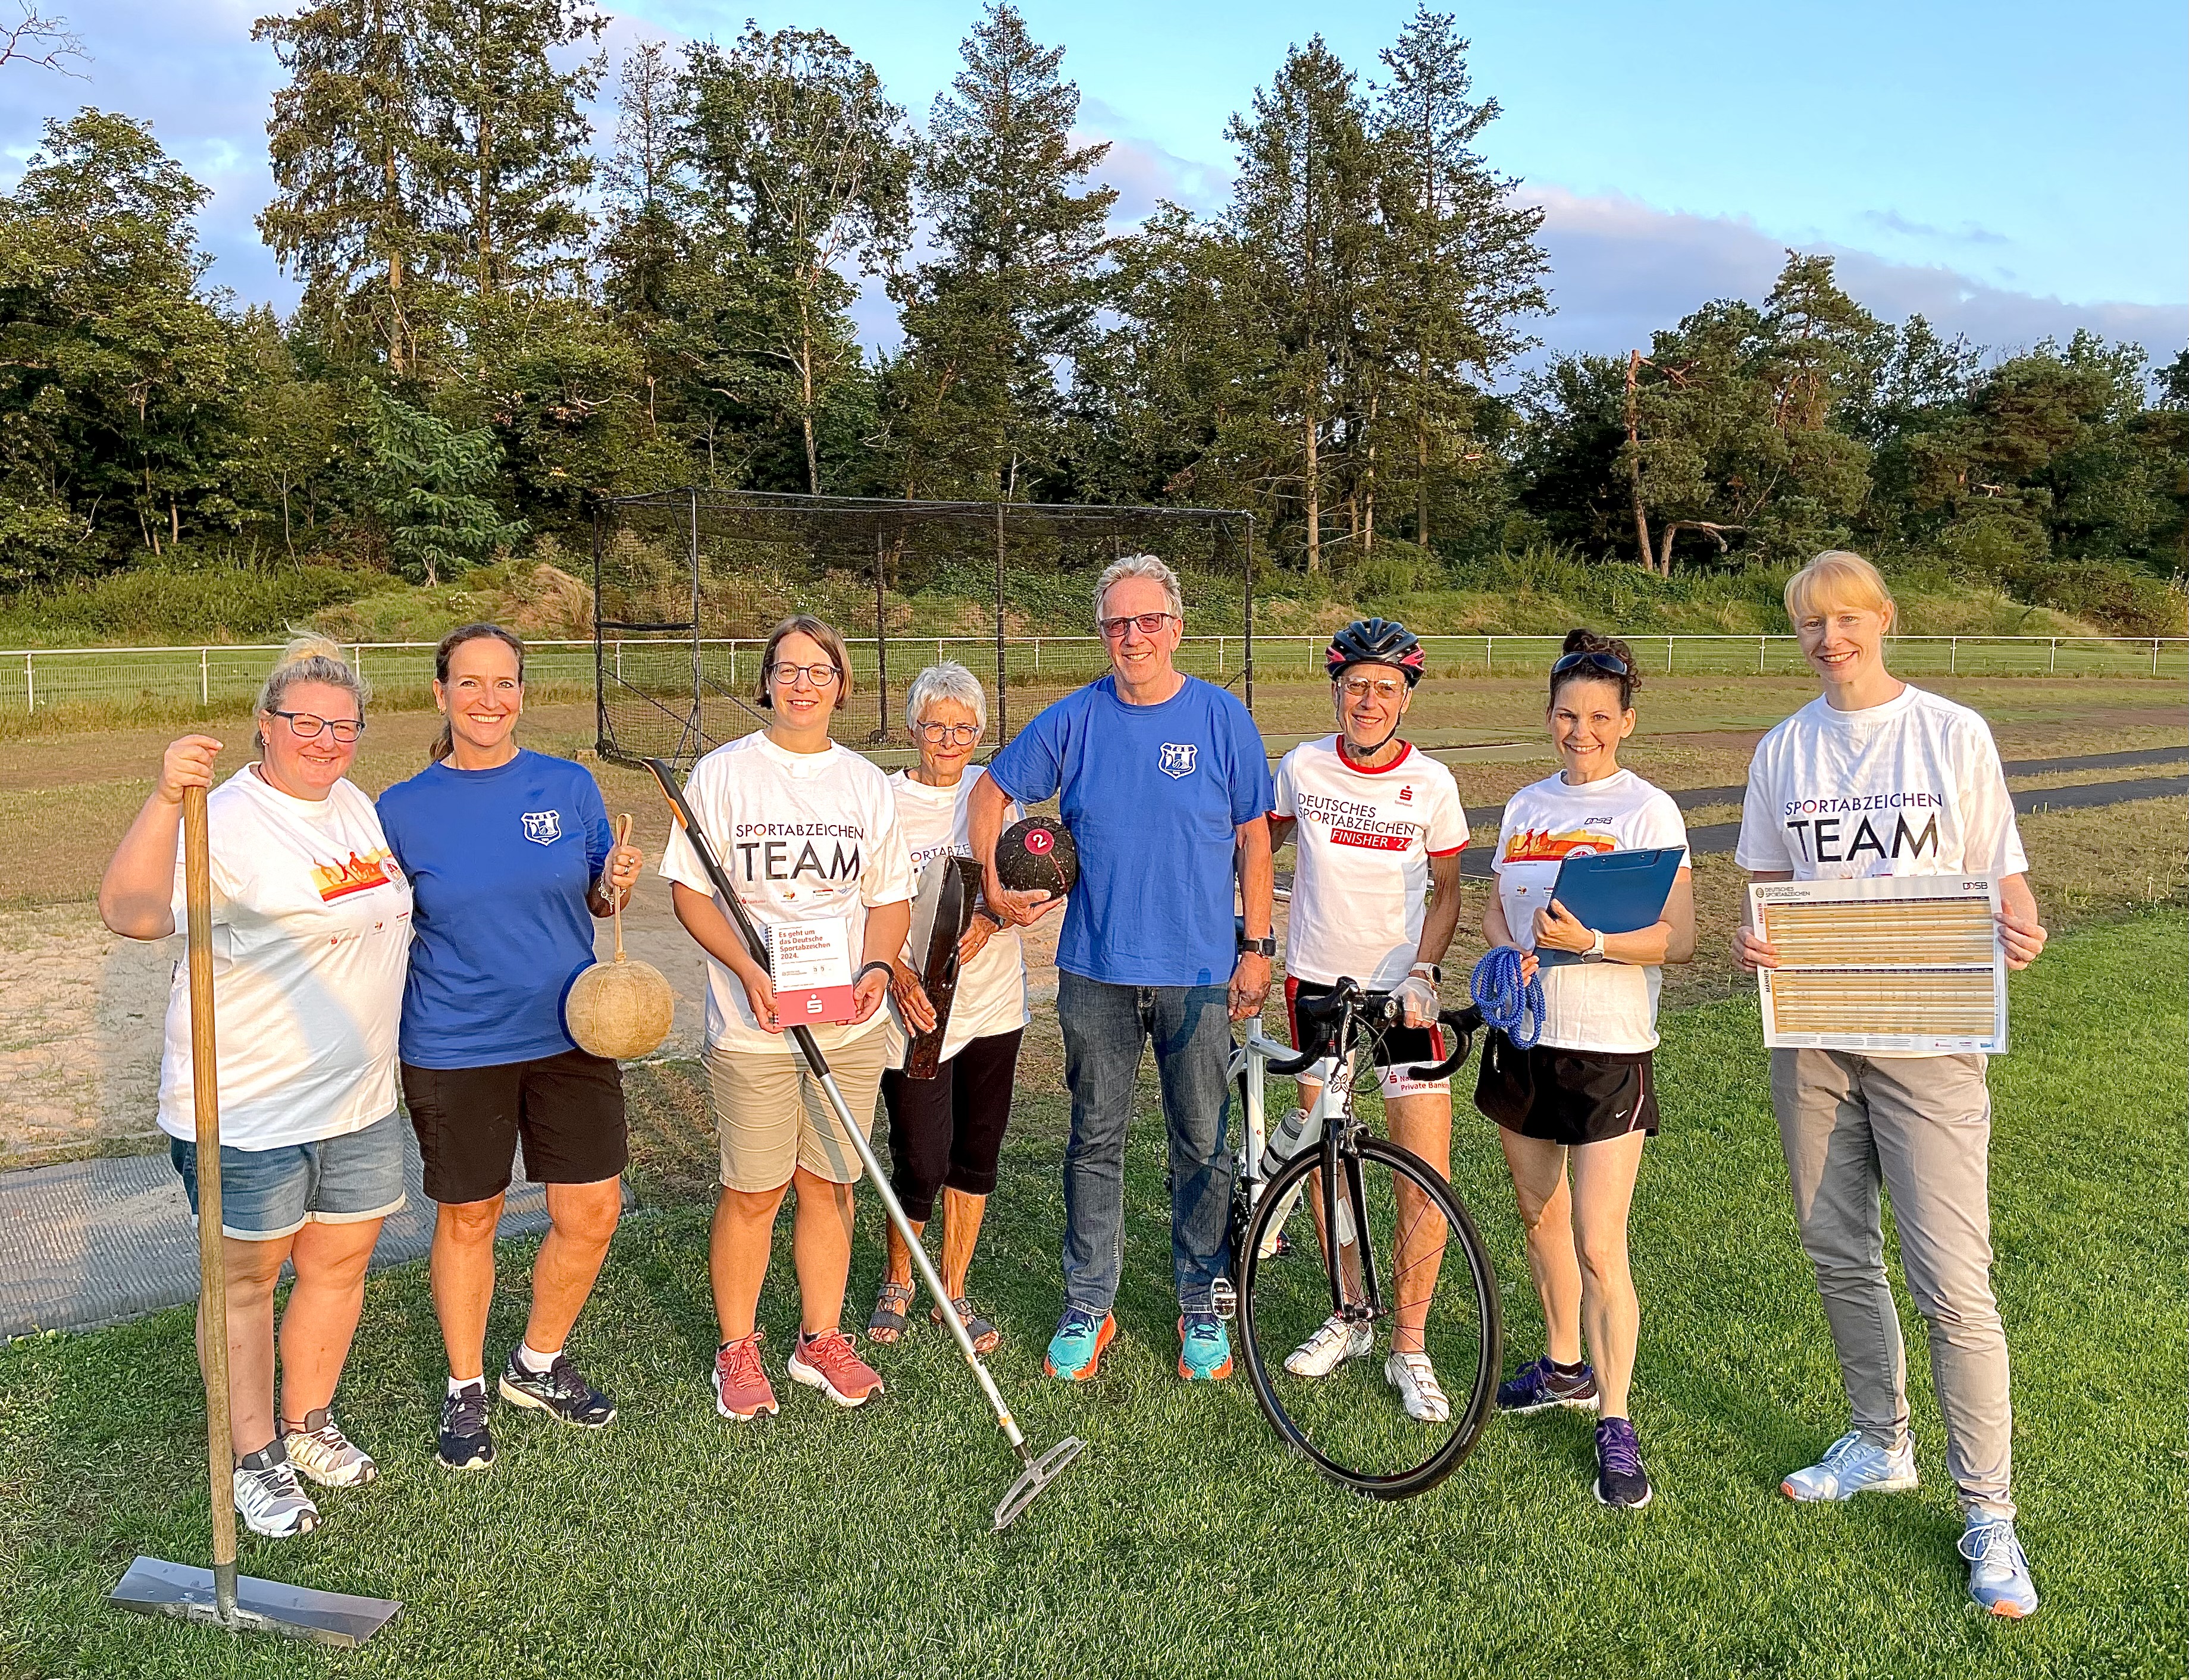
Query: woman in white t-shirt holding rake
[312, 935]
[1586, 1094]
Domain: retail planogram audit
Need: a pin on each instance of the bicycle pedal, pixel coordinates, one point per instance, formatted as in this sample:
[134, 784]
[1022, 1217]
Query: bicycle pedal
[1224, 1298]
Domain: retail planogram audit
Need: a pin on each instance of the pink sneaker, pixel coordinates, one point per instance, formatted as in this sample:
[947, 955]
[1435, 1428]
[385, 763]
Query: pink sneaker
[826, 1362]
[742, 1389]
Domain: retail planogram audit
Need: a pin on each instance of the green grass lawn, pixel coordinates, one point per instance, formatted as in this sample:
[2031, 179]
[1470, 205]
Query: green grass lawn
[1186, 1543]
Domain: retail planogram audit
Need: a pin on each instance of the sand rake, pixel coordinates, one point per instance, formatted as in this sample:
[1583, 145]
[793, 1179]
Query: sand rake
[1037, 1470]
[219, 1595]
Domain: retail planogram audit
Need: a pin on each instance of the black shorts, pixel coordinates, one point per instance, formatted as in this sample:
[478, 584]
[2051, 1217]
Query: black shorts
[1568, 1097]
[566, 1108]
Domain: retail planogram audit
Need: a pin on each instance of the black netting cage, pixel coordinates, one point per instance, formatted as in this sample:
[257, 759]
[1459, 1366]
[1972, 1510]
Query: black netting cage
[688, 584]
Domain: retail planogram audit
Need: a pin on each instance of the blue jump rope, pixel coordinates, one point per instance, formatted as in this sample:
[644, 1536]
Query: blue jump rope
[1513, 1006]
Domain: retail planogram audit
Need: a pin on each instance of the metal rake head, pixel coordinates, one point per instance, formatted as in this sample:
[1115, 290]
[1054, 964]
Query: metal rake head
[1037, 1476]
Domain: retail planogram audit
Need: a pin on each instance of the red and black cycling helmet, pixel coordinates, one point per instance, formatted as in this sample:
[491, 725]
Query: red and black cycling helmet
[1376, 641]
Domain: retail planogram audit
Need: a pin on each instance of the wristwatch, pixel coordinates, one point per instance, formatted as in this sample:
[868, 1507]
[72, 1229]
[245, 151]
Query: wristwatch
[1595, 952]
[1257, 948]
[1434, 971]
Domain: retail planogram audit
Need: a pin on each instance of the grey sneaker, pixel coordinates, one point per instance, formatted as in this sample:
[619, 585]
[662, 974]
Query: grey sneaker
[270, 1499]
[325, 1455]
[1852, 1465]
[1999, 1573]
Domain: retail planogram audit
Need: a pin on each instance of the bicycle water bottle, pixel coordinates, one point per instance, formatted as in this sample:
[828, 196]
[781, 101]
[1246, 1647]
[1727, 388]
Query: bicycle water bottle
[1296, 1132]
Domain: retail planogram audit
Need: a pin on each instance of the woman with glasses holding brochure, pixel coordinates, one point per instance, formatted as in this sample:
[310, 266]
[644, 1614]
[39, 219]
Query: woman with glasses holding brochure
[1572, 1111]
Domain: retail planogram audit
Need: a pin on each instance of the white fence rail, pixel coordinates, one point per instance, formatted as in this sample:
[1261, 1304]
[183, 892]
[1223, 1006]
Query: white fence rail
[34, 679]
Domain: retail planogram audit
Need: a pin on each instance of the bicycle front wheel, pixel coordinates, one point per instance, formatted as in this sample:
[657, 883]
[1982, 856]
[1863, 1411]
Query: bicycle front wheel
[1322, 1334]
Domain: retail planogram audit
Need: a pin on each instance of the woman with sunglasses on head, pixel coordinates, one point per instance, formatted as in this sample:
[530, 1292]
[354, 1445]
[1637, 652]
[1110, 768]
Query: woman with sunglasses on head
[807, 832]
[947, 1131]
[311, 922]
[1582, 1099]
[512, 859]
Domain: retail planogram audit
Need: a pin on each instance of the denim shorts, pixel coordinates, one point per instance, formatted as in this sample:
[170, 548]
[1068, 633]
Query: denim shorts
[267, 1194]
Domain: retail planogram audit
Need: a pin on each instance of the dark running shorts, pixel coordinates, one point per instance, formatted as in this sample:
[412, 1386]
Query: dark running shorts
[566, 1108]
[1568, 1097]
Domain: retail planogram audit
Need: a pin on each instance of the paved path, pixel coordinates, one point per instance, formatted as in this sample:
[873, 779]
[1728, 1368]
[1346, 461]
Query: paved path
[93, 1242]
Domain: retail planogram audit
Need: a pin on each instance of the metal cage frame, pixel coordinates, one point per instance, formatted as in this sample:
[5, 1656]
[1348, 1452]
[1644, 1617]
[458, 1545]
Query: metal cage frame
[882, 515]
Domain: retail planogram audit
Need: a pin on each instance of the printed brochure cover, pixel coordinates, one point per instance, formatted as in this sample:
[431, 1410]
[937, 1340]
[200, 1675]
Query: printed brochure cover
[813, 971]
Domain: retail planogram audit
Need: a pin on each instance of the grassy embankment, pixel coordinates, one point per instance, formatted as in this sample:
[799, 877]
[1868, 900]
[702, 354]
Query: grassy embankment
[1186, 1543]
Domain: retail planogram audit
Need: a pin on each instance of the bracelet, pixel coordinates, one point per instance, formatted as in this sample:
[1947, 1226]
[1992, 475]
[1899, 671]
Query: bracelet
[888, 972]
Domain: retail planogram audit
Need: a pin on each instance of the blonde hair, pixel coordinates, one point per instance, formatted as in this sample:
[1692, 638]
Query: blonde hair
[308, 659]
[805, 623]
[1838, 578]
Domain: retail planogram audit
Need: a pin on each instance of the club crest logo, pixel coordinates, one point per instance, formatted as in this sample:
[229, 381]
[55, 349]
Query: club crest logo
[1177, 759]
[543, 827]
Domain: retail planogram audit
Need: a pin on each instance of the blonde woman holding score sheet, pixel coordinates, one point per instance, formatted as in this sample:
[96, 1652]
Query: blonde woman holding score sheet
[1876, 778]
[1583, 1096]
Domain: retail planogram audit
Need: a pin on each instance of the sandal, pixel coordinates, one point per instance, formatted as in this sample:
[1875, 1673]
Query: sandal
[887, 1322]
[986, 1337]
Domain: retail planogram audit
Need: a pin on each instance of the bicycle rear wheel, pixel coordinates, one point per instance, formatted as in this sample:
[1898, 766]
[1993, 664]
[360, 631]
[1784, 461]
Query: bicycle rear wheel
[1411, 1265]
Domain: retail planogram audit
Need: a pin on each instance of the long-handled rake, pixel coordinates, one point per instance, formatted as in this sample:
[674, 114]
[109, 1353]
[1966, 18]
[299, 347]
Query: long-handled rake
[219, 1595]
[1037, 1470]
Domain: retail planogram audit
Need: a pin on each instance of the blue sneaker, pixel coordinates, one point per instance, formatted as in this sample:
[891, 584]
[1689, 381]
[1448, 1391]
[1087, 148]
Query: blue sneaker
[1204, 1348]
[1542, 1385]
[1621, 1480]
[1852, 1465]
[1999, 1573]
[1076, 1347]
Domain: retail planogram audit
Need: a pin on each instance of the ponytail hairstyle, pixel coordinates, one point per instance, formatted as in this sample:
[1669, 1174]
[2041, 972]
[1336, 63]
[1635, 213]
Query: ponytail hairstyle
[445, 742]
[1588, 642]
[307, 659]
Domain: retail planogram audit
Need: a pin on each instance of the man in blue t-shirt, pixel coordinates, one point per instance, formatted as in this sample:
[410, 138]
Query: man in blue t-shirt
[1164, 783]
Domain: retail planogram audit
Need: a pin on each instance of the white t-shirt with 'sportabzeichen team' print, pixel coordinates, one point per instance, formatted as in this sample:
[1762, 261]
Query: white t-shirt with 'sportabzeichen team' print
[1913, 787]
[311, 938]
[804, 837]
[1364, 843]
[991, 991]
[1587, 1006]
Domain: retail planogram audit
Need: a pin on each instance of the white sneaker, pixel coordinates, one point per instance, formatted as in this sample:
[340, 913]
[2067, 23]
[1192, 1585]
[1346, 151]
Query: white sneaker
[1335, 1341]
[1999, 1573]
[1853, 1465]
[325, 1455]
[273, 1503]
[1415, 1380]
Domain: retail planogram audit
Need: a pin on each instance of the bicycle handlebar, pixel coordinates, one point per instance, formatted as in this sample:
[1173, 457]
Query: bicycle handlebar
[1465, 1024]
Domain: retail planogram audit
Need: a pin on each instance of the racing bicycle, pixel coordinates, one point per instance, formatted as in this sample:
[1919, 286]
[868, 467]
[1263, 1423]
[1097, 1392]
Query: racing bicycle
[1408, 1262]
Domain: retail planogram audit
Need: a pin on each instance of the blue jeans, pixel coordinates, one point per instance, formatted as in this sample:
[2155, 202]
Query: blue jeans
[1105, 1028]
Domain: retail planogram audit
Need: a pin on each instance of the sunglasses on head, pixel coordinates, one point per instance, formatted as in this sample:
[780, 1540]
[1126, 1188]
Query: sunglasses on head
[1610, 664]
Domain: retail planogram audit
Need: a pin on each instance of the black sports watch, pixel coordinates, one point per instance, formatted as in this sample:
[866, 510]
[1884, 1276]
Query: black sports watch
[1257, 948]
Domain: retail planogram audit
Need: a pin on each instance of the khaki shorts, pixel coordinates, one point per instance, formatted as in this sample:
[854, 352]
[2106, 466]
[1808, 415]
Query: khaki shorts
[771, 1114]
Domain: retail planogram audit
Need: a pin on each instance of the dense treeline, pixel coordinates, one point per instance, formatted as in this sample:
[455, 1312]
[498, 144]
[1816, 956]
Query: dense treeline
[504, 316]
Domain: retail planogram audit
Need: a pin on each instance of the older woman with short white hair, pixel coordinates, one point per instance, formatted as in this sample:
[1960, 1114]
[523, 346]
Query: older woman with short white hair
[947, 1132]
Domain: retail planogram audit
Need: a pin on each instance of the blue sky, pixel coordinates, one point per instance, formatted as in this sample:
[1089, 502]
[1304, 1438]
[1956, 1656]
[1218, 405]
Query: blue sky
[2010, 169]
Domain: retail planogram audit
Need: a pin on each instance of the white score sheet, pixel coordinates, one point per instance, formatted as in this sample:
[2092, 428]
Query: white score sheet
[1911, 964]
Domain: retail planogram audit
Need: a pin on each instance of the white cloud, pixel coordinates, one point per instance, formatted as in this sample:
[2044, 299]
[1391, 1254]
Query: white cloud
[1620, 269]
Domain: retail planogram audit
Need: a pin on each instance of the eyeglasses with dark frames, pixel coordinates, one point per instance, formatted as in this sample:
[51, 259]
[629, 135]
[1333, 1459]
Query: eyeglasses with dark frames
[961, 734]
[1149, 623]
[817, 676]
[308, 726]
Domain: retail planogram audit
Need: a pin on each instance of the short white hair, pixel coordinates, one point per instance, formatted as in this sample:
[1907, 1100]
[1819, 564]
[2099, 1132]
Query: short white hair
[948, 680]
[1139, 566]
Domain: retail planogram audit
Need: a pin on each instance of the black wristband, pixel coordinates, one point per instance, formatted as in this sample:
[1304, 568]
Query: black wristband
[888, 972]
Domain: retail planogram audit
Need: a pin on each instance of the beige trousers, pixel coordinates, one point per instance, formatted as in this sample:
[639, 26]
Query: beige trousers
[1919, 1129]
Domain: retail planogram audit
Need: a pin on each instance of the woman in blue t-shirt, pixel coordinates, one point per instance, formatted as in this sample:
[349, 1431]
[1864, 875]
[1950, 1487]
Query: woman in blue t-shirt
[509, 857]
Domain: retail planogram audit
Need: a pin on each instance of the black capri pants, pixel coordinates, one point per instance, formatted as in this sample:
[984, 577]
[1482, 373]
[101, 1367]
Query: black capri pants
[949, 1130]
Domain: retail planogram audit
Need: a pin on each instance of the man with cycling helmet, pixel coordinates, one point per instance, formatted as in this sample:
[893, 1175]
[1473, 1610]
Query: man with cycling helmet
[1379, 828]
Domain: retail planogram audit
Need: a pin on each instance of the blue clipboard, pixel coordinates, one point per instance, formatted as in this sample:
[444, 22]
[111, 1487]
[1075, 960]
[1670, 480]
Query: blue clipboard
[1615, 891]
